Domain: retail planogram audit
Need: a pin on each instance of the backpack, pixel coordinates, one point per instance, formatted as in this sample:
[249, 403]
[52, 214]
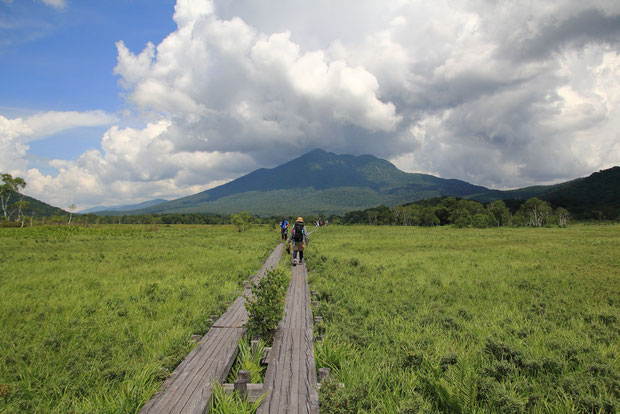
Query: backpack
[298, 231]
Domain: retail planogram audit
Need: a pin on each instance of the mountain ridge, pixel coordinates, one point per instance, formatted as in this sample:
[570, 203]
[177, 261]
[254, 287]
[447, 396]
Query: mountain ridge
[316, 177]
[326, 183]
[35, 207]
[123, 207]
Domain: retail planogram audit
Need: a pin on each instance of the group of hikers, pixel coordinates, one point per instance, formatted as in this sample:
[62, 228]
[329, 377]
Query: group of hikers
[298, 238]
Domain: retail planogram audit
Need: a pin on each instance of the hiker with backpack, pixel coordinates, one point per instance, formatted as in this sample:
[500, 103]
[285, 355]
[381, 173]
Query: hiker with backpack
[284, 228]
[299, 237]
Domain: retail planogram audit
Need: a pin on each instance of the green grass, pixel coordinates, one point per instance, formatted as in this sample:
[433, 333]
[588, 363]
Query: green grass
[223, 403]
[94, 319]
[464, 320]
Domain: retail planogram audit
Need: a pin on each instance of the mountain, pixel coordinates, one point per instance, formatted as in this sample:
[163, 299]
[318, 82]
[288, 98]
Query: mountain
[318, 181]
[126, 207]
[34, 206]
[596, 196]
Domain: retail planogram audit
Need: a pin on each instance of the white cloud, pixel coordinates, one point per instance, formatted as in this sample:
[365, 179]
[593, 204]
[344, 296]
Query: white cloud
[13, 149]
[16, 133]
[263, 72]
[501, 94]
[134, 164]
[48, 123]
[57, 4]
[186, 12]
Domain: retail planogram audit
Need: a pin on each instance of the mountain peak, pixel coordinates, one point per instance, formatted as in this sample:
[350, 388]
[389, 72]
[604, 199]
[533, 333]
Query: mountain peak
[316, 154]
[316, 151]
[318, 180]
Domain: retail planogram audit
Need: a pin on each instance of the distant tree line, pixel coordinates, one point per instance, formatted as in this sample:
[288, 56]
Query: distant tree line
[438, 211]
[461, 213]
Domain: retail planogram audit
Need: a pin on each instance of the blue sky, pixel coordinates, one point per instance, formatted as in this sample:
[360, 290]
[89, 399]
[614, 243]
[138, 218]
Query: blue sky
[117, 102]
[62, 59]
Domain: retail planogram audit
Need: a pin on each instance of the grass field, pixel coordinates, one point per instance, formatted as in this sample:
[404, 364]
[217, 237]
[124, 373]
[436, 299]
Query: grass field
[94, 319]
[461, 320]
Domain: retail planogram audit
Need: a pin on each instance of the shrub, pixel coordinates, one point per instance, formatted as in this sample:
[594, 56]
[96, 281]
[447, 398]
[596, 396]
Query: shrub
[266, 304]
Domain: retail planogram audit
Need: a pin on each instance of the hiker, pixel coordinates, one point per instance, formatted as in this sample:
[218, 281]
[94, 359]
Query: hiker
[284, 228]
[300, 240]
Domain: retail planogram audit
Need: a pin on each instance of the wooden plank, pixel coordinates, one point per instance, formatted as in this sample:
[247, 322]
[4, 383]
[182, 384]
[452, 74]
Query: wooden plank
[191, 380]
[235, 317]
[255, 391]
[189, 388]
[175, 380]
[290, 380]
[296, 370]
[270, 374]
[310, 381]
[197, 394]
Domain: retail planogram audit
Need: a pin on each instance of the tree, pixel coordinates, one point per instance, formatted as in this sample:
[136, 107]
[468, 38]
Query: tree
[372, 216]
[400, 214]
[461, 218]
[90, 218]
[537, 210]
[428, 217]
[443, 214]
[241, 221]
[384, 214]
[482, 221]
[563, 215]
[9, 186]
[71, 208]
[21, 206]
[500, 212]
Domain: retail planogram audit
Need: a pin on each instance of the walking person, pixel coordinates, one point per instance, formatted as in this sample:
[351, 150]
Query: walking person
[299, 237]
[284, 228]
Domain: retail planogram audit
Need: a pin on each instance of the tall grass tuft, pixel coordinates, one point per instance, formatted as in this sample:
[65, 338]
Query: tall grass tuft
[222, 403]
[250, 361]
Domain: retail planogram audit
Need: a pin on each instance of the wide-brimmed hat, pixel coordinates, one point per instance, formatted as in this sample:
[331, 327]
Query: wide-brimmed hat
[299, 219]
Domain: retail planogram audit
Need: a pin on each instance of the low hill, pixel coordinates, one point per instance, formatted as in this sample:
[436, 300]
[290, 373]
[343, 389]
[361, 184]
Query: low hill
[35, 207]
[127, 207]
[596, 196]
[318, 181]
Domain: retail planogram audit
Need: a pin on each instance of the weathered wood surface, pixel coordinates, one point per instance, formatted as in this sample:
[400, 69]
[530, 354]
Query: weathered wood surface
[290, 380]
[189, 387]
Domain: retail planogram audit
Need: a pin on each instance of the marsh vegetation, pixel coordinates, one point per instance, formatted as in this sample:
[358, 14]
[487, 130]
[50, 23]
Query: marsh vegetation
[467, 320]
[94, 319]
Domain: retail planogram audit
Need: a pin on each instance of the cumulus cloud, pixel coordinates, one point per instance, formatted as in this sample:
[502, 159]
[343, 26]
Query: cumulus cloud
[501, 94]
[496, 82]
[218, 69]
[13, 149]
[134, 164]
[16, 133]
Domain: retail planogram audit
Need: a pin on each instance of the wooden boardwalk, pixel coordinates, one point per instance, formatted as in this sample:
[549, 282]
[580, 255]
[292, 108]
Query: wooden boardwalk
[290, 381]
[189, 387]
